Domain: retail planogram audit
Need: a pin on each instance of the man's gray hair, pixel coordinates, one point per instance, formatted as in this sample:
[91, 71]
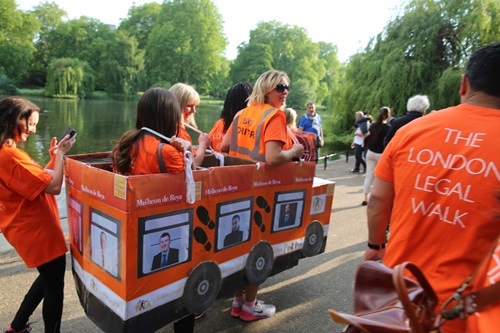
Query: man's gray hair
[418, 103]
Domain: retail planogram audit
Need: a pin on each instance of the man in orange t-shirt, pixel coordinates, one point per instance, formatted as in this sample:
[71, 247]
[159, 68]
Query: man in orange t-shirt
[439, 174]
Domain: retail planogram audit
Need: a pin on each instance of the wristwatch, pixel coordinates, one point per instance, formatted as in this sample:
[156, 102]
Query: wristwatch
[376, 246]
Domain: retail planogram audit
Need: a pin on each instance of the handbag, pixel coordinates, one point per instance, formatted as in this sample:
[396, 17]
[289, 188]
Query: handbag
[319, 141]
[387, 301]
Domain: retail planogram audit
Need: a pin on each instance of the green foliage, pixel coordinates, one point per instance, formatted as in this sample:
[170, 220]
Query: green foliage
[7, 86]
[123, 64]
[422, 51]
[186, 43]
[139, 22]
[99, 95]
[85, 39]
[220, 82]
[15, 59]
[50, 15]
[300, 94]
[313, 68]
[253, 60]
[17, 31]
[31, 92]
[17, 26]
[69, 78]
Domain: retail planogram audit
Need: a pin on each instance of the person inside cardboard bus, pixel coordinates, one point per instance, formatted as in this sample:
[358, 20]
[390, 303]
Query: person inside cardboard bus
[188, 99]
[259, 132]
[136, 153]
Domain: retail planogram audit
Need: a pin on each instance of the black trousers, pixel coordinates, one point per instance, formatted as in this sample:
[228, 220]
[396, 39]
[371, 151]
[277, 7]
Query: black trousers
[358, 153]
[185, 325]
[49, 287]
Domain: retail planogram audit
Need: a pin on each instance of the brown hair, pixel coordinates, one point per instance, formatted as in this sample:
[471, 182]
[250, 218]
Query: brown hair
[12, 110]
[159, 110]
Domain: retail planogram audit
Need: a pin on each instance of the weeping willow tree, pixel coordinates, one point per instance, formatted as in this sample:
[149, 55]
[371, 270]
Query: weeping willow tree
[69, 78]
[422, 51]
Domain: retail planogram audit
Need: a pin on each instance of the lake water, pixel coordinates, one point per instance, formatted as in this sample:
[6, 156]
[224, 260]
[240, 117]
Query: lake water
[98, 123]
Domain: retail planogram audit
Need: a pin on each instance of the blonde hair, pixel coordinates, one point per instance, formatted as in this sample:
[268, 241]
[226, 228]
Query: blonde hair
[186, 94]
[291, 118]
[264, 84]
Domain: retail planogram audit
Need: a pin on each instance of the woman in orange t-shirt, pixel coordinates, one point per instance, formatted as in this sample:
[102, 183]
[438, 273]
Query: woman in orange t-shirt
[236, 100]
[188, 100]
[29, 217]
[263, 115]
[137, 151]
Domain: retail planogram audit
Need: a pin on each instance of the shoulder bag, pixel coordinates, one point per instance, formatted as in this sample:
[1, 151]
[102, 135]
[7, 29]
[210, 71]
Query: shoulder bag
[387, 301]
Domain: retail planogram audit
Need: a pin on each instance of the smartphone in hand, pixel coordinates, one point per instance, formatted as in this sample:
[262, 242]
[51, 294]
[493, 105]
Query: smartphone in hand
[70, 130]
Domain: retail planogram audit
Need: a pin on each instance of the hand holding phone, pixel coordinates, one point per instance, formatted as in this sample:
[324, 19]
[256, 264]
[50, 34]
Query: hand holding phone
[70, 130]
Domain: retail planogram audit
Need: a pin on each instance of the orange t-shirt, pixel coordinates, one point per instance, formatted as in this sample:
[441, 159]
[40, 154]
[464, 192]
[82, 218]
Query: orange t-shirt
[146, 161]
[29, 217]
[445, 170]
[489, 318]
[184, 134]
[217, 134]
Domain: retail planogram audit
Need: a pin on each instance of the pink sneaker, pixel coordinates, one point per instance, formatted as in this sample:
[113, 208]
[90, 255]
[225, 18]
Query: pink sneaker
[24, 330]
[259, 311]
[236, 309]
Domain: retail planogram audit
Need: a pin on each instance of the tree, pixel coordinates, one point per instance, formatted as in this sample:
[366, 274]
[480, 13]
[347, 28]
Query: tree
[273, 45]
[17, 31]
[123, 64]
[50, 15]
[333, 73]
[253, 59]
[139, 22]
[85, 39]
[422, 51]
[69, 78]
[186, 44]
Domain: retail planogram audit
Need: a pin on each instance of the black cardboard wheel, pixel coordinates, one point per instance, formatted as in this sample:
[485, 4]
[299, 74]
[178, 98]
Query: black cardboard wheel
[202, 287]
[259, 263]
[313, 239]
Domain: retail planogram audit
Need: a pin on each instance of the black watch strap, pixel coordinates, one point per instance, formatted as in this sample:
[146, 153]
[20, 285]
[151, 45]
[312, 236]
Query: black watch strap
[376, 246]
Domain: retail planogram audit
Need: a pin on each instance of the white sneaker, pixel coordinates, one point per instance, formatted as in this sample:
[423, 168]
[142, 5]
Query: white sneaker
[259, 311]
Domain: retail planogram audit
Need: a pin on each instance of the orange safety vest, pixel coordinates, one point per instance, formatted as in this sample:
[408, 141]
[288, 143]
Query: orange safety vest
[247, 139]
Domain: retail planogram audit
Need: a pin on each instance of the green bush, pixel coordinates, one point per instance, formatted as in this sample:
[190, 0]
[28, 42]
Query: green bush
[7, 85]
[31, 92]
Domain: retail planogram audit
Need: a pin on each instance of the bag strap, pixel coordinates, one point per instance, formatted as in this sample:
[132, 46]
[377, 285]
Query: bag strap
[398, 278]
[161, 162]
[473, 302]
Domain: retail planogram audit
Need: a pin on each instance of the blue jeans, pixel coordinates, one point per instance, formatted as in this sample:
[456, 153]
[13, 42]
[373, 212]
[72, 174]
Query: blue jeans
[358, 153]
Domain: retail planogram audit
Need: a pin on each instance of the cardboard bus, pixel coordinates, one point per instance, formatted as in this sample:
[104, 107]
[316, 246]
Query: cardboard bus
[248, 221]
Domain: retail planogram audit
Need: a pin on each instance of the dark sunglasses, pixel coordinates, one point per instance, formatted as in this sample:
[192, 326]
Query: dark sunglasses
[280, 87]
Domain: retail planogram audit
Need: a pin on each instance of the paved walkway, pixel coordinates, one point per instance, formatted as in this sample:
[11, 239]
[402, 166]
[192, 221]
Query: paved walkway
[302, 294]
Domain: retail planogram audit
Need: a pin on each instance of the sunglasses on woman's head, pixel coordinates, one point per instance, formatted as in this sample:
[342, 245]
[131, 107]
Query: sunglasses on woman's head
[280, 87]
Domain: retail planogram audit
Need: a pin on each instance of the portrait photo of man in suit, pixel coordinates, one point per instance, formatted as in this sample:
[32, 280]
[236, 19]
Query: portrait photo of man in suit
[168, 256]
[106, 254]
[287, 215]
[236, 235]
